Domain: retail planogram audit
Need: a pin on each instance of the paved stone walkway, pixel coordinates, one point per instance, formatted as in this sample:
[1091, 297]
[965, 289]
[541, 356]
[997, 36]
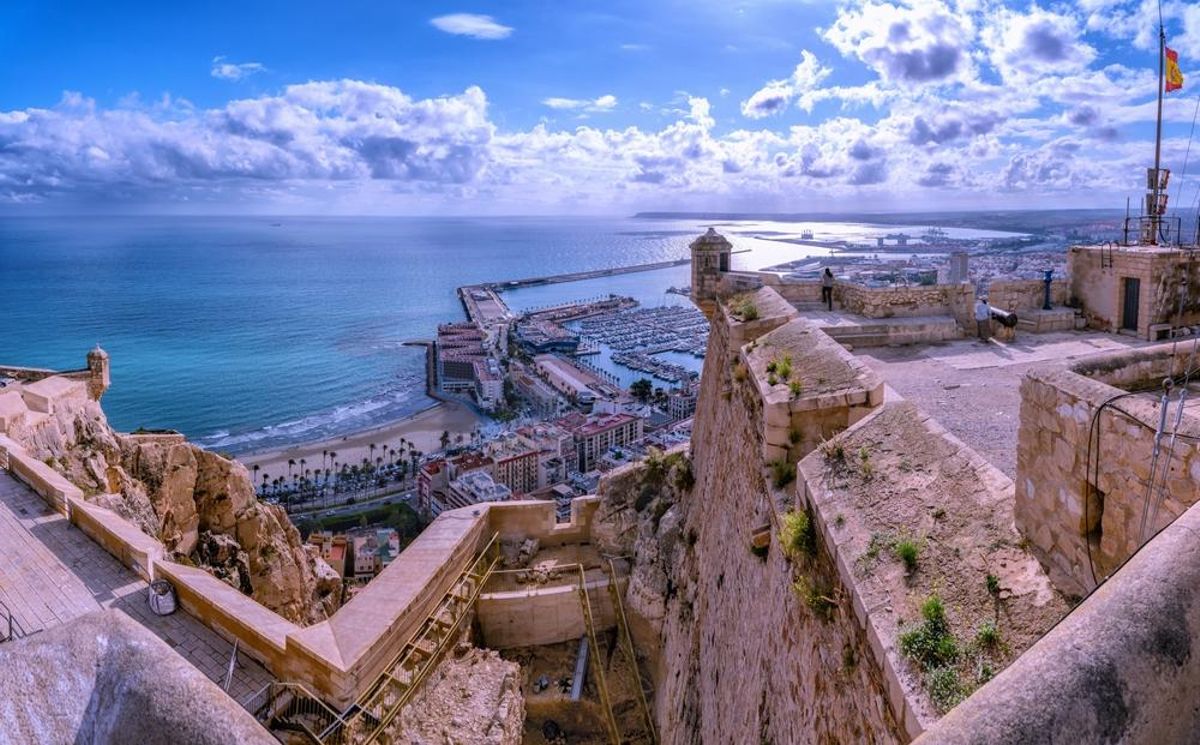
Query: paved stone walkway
[973, 388]
[51, 573]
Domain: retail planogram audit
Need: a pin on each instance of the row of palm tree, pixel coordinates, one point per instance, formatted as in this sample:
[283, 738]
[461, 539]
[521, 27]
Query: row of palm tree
[334, 477]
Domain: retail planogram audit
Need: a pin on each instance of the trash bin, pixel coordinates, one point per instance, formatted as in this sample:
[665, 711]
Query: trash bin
[162, 597]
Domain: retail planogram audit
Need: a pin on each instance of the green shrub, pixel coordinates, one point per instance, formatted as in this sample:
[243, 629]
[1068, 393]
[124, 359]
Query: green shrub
[783, 472]
[796, 533]
[833, 451]
[945, 688]
[993, 585]
[930, 644]
[907, 551]
[744, 309]
[771, 379]
[796, 388]
[988, 636]
[740, 373]
[771, 366]
[760, 551]
[794, 436]
[816, 598]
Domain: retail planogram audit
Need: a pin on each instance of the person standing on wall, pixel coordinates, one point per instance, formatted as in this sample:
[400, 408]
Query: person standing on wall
[827, 288]
[983, 318]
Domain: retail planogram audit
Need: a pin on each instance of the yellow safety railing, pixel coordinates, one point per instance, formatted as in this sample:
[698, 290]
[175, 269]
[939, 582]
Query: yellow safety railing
[476, 575]
[627, 644]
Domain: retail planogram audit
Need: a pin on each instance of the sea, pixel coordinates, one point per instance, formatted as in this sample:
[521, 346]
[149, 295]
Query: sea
[252, 332]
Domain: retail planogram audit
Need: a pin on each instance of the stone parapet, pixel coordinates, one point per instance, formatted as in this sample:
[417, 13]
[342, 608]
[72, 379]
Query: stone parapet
[899, 475]
[1119, 668]
[1084, 482]
[1017, 295]
[898, 302]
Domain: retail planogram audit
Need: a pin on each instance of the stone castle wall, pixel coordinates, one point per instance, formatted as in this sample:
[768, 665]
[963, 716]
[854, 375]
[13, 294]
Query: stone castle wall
[1018, 295]
[1082, 533]
[907, 302]
[743, 658]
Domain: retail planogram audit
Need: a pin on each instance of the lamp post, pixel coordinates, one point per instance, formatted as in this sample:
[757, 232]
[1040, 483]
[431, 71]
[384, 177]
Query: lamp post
[1049, 277]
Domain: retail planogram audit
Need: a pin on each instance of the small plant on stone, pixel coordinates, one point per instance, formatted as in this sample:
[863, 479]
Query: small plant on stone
[907, 551]
[772, 367]
[771, 379]
[794, 435]
[993, 585]
[796, 533]
[833, 451]
[740, 373]
[930, 644]
[759, 551]
[945, 688]
[839, 520]
[783, 366]
[783, 472]
[744, 309]
[939, 513]
[988, 636]
[796, 388]
[816, 598]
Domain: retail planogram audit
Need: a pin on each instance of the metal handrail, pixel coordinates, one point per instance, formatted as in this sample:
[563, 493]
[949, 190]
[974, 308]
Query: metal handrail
[585, 602]
[627, 640]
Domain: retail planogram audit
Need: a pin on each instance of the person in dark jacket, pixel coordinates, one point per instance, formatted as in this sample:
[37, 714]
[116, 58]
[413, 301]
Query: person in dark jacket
[827, 288]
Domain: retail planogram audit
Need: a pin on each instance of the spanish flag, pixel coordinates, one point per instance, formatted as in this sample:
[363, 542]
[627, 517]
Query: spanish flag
[1174, 76]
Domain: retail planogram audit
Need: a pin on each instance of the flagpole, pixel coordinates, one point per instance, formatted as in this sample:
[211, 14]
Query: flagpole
[1155, 218]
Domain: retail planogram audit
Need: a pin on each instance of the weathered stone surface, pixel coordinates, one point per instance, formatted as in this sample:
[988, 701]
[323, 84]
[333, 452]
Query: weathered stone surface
[473, 696]
[178, 493]
[105, 680]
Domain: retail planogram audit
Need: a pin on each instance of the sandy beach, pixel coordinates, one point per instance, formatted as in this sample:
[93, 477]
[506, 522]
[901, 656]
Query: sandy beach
[423, 430]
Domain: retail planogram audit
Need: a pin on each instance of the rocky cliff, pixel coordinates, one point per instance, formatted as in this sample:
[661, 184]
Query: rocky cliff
[201, 505]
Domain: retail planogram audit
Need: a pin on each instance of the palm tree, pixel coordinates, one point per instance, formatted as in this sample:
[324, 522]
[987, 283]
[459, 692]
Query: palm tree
[264, 488]
[371, 447]
[254, 468]
[302, 464]
[291, 465]
[324, 455]
[445, 439]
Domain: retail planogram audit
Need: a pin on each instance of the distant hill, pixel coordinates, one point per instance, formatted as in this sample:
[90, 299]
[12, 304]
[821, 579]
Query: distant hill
[1028, 221]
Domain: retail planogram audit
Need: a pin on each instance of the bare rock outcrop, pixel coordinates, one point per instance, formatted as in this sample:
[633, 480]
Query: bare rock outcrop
[641, 516]
[201, 505]
[472, 696]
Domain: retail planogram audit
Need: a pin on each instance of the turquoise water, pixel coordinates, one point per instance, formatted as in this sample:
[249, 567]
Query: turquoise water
[249, 332]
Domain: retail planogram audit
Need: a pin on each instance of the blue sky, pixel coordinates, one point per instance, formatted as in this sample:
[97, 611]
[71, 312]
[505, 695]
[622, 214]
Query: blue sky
[565, 107]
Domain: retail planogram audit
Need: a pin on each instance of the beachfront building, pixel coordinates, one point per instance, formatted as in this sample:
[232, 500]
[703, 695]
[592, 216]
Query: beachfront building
[465, 366]
[516, 463]
[435, 478]
[474, 488]
[565, 378]
[597, 434]
[556, 450]
[543, 400]
[681, 403]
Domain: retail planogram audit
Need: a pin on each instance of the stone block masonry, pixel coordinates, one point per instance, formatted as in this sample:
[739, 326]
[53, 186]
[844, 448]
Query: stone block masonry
[1083, 517]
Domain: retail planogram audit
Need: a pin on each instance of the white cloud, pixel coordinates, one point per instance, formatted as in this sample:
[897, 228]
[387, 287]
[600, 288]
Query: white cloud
[776, 95]
[913, 43]
[606, 102]
[1035, 44]
[470, 24]
[234, 70]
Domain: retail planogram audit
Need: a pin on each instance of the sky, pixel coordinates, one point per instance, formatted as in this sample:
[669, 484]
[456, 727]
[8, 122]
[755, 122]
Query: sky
[572, 107]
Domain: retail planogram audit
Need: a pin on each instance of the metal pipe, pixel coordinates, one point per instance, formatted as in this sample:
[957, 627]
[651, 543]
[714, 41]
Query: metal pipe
[581, 663]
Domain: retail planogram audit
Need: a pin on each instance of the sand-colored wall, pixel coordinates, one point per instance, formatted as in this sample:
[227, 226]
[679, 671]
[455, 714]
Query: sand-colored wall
[1096, 281]
[743, 659]
[1026, 294]
[543, 614]
[1057, 409]
[340, 657]
[907, 302]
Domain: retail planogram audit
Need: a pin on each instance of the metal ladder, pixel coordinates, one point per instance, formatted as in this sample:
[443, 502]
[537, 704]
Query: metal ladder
[626, 642]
